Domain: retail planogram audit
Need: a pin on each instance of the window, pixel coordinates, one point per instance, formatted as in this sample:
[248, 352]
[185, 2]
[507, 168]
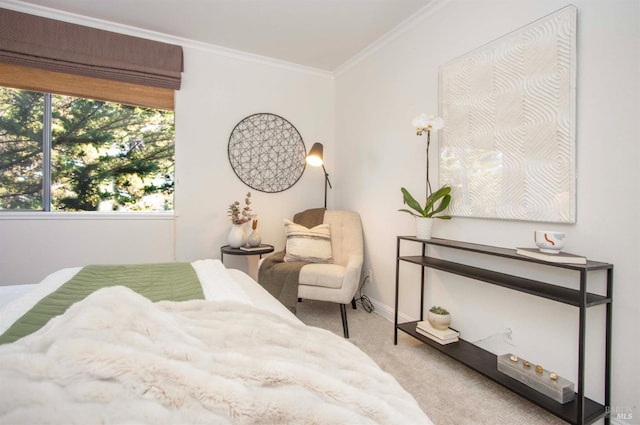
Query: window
[64, 153]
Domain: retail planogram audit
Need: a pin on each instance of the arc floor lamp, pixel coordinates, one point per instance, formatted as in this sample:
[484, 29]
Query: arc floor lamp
[315, 158]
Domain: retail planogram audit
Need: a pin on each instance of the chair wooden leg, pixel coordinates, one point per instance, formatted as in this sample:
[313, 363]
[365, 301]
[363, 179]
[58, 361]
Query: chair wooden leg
[345, 327]
[353, 303]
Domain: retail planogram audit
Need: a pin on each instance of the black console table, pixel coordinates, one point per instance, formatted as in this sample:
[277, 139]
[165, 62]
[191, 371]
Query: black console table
[581, 410]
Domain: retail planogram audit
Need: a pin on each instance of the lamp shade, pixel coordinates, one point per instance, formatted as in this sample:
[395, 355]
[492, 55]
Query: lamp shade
[314, 157]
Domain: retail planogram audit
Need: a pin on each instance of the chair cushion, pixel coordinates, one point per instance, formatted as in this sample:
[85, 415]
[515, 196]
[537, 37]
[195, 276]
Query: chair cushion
[325, 275]
[310, 245]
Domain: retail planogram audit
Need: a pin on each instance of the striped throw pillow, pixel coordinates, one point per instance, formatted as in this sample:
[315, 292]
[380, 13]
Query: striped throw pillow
[312, 245]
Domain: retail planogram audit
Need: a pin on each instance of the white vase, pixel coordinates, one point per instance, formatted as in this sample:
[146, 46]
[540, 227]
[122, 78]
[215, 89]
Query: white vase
[237, 236]
[423, 228]
[254, 238]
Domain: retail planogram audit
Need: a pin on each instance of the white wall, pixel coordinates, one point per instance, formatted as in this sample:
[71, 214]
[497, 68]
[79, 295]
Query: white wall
[378, 94]
[217, 93]
[31, 248]
[219, 88]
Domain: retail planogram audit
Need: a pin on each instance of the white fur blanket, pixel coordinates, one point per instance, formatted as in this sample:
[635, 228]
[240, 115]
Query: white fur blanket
[116, 357]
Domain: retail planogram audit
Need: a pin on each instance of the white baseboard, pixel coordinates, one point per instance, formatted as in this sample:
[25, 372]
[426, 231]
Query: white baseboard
[388, 313]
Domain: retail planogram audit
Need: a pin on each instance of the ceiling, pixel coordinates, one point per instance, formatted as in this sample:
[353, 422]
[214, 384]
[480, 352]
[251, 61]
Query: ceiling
[322, 34]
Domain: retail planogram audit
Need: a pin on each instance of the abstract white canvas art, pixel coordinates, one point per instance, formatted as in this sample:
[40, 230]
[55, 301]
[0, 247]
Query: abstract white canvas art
[508, 145]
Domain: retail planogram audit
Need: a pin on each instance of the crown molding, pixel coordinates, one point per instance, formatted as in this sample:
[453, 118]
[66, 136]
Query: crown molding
[47, 12]
[405, 26]
[400, 29]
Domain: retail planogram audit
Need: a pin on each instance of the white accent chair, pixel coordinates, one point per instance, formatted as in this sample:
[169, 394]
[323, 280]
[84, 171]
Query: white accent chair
[337, 282]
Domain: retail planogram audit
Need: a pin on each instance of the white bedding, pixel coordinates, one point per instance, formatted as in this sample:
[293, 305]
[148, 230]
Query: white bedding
[116, 357]
[218, 284]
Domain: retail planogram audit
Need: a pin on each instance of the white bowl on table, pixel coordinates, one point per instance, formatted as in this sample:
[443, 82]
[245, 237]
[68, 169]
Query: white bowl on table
[549, 241]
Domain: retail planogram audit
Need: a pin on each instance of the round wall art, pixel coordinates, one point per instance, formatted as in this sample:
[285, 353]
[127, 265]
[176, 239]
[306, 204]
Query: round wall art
[267, 153]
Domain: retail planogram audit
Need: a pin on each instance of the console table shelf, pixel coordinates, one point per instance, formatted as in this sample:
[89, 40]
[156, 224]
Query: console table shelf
[581, 410]
[533, 287]
[484, 362]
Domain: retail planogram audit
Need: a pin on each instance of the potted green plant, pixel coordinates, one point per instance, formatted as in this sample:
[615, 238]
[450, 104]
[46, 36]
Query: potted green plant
[436, 202]
[439, 317]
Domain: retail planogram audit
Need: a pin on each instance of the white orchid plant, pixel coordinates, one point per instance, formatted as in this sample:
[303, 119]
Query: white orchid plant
[424, 122]
[436, 202]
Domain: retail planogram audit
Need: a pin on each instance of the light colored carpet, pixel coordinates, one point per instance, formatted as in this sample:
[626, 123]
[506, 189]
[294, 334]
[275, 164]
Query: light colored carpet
[448, 392]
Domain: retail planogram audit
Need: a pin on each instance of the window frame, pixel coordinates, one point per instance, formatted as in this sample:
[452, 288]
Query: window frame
[46, 211]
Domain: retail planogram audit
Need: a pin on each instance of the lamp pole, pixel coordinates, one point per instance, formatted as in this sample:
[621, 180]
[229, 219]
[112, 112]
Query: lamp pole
[326, 181]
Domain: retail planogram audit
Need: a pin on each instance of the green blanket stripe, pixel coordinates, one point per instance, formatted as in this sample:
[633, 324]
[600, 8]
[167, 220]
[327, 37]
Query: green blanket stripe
[158, 282]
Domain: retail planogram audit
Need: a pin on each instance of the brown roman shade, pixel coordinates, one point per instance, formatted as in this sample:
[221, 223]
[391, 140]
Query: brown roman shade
[61, 48]
[33, 79]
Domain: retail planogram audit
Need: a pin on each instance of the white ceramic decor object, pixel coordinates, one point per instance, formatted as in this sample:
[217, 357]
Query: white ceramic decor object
[423, 228]
[237, 236]
[549, 241]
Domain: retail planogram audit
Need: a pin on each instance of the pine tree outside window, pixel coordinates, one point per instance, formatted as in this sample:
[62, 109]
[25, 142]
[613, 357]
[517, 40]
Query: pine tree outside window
[64, 153]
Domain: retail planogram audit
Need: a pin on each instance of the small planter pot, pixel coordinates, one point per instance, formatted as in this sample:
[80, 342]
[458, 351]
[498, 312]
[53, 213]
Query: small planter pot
[423, 228]
[439, 321]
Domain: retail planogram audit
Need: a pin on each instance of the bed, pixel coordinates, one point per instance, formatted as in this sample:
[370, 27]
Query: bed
[235, 357]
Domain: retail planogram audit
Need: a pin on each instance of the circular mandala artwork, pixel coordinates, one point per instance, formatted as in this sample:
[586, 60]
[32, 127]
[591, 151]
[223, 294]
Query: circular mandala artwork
[267, 153]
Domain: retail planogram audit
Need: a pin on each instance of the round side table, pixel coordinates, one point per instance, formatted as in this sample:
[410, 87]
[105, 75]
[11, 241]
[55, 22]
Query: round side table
[258, 250]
